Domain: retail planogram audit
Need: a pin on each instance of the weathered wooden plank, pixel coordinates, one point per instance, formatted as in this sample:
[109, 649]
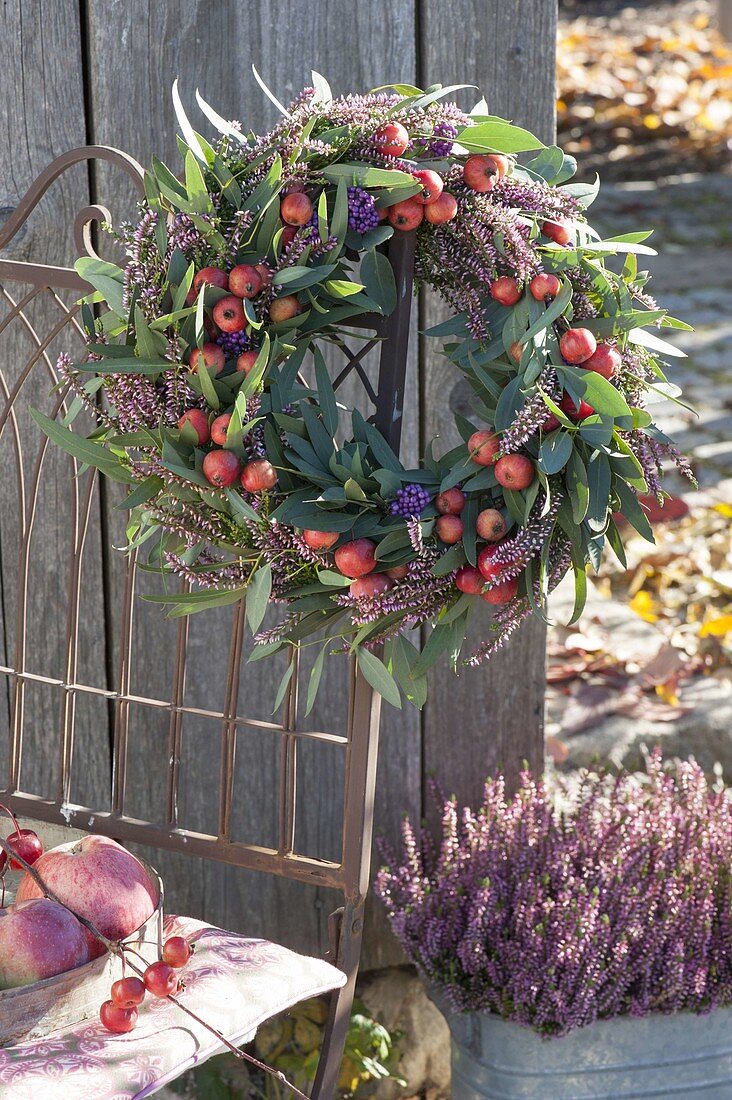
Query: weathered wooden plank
[42, 117]
[357, 46]
[491, 717]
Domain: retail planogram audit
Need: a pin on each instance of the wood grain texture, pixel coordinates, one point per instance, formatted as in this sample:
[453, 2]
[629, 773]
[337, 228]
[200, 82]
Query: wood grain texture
[492, 716]
[42, 116]
[136, 51]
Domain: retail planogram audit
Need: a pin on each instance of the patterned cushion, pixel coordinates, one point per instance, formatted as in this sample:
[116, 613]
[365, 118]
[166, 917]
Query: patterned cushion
[232, 982]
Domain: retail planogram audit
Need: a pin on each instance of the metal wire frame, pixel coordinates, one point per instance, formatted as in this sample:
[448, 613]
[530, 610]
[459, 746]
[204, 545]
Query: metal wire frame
[359, 742]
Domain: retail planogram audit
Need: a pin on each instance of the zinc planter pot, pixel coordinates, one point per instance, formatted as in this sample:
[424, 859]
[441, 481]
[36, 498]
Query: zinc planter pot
[679, 1057]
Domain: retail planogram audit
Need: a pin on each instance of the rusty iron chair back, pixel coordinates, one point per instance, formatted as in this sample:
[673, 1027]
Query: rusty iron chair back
[71, 687]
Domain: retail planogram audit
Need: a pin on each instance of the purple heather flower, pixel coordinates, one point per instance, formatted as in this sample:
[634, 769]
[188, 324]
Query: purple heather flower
[618, 905]
[362, 212]
[410, 501]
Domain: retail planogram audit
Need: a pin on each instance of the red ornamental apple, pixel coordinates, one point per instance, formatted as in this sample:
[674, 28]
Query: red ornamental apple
[506, 290]
[229, 315]
[198, 421]
[356, 558]
[177, 951]
[516, 351]
[451, 502]
[544, 286]
[219, 428]
[480, 172]
[209, 276]
[221, 468]
[449, 529]
[469, 579]
[320, 540]
[287, 237]
[101, 881]
[39, 939]
[213, 356]
[502, 592]
[161, 979]
[490, 525]
[391, 139]
[264, 272]
[27, 844]
[576, 412]
[442, 210]
[577, 344]
[118, 1020]
[375, 584]
[605, 360]
[502, 163]
[245, 281]
[398, 572]
[258, 475]
[557, 232]
[283, 309]
[296, 209]
[515, 472]
[431, 186]
[551, 423]
[487, 566]
[483, 447]
[406, 215]
[127, 992]
[246, 361]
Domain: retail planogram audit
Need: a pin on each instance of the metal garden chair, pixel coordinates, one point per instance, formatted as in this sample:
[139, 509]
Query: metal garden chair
[78, 664]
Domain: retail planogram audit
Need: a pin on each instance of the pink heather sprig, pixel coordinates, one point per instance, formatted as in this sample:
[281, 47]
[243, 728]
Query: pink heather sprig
[530, 418]
[514, 554]
[621, 905]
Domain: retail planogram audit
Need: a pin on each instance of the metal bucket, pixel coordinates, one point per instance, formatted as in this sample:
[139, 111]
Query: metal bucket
[32, 1011]
[673, 1057]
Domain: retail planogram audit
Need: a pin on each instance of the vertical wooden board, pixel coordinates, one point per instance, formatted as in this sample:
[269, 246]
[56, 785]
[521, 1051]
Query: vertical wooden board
[136, 50]
[42, 117]
[493, 716]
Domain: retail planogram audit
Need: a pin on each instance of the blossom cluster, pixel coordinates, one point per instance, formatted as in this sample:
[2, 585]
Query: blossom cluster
[619, 905]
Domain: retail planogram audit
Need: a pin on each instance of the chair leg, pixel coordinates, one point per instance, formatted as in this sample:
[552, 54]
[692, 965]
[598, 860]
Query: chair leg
[339, 1014]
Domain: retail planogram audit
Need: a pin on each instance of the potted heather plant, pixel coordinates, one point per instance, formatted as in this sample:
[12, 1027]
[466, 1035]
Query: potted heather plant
[577, 952]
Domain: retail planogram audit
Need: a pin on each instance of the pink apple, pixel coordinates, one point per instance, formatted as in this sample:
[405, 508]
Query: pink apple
[39, 939]
[100, 880]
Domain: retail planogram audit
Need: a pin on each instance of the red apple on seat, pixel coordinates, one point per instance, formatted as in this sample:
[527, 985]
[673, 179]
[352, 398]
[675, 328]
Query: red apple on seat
[39, 939]
[100, 880]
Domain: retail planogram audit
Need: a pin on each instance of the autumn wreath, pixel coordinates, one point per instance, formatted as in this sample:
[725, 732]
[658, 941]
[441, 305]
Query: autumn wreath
[219, 408]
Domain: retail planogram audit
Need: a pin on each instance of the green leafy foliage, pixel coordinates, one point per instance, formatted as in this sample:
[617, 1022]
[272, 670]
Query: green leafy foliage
[329, 478]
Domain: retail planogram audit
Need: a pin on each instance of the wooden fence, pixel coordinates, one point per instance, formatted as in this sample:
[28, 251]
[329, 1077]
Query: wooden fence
[100, 72]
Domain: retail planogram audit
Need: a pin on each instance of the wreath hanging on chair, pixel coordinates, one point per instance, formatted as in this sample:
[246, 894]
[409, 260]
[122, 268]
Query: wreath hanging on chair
[218, 408]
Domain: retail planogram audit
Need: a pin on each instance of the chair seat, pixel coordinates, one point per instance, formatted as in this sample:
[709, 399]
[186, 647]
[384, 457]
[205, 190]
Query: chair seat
[232, 982]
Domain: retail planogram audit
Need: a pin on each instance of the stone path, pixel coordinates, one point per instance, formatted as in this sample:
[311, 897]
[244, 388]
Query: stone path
[692, 277]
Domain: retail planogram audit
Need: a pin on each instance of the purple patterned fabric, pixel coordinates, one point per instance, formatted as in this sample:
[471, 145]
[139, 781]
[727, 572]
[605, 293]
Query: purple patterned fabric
[232, 982]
